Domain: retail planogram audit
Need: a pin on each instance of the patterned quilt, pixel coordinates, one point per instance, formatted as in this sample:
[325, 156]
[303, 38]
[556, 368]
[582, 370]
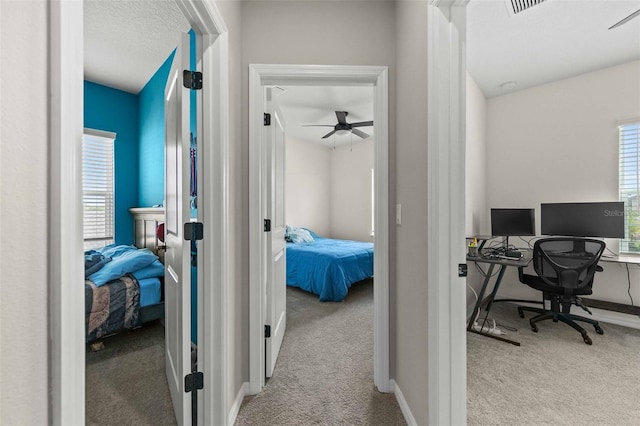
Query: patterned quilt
[111, 307]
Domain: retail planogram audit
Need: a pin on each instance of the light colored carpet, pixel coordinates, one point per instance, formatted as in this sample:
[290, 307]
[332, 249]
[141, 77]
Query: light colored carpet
[324, 374]
[126, 382]
[554, 378]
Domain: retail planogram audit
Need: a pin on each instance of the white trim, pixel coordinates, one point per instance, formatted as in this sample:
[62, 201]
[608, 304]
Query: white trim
[262, 75]
[100, 133]
[404, 406]
[67, 381]
[628, 121]
[446, 301]
[237, 403]
[66, 303]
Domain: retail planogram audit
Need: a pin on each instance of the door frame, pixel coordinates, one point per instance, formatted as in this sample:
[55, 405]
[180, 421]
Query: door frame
[261, 75]
[447, 344]
[66, 304]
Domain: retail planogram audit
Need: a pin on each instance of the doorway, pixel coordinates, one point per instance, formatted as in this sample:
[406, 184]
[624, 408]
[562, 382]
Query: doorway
[66, 303]
[312, 75]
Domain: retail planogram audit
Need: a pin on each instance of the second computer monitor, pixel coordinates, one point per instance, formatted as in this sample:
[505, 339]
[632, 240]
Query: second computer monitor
[513, 222]
[605, 219]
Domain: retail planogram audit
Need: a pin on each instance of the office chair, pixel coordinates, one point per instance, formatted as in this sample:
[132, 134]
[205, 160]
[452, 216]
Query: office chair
[565, 268]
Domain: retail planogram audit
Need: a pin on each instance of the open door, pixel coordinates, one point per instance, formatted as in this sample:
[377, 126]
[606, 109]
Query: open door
[276, 320]
[177, 276]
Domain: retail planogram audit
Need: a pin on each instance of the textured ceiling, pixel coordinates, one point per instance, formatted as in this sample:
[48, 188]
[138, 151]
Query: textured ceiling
[555, 40]
[126, 41]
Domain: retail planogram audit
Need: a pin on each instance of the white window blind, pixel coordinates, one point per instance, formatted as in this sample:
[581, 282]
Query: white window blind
[629, 184]
[98, 188]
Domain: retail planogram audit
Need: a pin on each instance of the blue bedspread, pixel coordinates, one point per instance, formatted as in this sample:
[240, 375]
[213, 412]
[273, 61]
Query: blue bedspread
[328, 267]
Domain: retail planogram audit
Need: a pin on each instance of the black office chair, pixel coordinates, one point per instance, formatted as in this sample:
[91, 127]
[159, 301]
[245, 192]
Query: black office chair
[565, 268]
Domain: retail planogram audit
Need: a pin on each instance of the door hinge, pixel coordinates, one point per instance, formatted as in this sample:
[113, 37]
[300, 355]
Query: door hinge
[267, 119]
[192, 79]
[193, 381]
[462, 269]
[267, 331]
[267, 225]
[193, 231]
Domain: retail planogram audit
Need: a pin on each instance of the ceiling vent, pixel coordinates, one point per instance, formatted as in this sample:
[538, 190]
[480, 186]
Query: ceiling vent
[517, 6]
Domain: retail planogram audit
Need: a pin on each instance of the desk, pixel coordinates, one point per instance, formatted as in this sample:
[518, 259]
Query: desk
[492, 262]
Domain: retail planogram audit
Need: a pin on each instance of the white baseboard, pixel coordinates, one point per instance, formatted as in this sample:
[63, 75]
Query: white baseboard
[406, 412]
[235, 407]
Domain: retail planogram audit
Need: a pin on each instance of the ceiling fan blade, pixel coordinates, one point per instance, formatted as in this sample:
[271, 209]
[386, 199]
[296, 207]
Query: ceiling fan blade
[625, 20]
[329, 134]
[317, 125]
[362, 123]
[360, 133]
[342, 116]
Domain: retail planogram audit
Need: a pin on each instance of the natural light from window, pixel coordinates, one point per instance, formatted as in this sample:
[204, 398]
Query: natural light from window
[629, 183]
[98, 188]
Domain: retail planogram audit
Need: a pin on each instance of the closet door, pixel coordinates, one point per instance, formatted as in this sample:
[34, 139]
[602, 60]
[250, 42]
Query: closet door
[177, 275]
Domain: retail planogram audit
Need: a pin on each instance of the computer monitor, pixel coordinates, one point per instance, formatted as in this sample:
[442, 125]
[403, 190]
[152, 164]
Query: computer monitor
[513, 222]
[604, 220]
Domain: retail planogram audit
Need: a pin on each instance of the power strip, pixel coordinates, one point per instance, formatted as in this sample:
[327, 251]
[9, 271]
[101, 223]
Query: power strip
[487, 330]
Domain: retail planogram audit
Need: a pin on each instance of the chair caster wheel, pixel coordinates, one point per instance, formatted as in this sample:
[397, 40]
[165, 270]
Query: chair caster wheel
[598, 329]
[587, 340]
[521, 314]
[534, 328]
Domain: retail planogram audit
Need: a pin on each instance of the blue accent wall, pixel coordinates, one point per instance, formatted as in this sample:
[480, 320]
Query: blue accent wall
[151, 163]
[116, 111]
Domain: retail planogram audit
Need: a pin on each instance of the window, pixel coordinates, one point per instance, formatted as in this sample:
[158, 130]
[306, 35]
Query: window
[97, 188]
[629, 184]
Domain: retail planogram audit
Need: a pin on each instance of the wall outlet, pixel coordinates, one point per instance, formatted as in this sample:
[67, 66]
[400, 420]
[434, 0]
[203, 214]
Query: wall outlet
[398, 214]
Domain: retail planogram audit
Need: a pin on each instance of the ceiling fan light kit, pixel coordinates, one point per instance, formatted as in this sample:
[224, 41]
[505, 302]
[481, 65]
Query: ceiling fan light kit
[342, 125]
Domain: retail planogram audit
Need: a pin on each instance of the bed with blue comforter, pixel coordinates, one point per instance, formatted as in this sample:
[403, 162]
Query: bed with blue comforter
[123, 289]
[325, 266]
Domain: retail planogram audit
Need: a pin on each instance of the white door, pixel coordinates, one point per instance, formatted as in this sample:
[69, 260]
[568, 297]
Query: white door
[276, 296]
[177, 276]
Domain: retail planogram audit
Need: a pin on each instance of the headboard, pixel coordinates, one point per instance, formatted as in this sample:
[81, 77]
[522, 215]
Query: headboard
[145, 224]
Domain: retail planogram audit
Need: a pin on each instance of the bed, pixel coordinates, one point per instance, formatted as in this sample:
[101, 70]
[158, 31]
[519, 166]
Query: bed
[327, 267]
[123, 289]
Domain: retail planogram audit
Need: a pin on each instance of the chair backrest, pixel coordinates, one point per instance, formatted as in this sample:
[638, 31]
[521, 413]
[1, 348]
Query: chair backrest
[567, 262]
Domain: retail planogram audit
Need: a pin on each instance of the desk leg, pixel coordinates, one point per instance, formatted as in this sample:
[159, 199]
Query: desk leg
[495, 287]
[478, 305]
[477, 308]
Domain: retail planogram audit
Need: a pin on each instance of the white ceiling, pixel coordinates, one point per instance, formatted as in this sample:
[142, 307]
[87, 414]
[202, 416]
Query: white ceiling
[126, 41]
[554, 40]
[317, 105]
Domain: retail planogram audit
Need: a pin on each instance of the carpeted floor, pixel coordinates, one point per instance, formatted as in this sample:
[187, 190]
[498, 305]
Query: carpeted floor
[126, 382]
[324, 374]
[554, 378]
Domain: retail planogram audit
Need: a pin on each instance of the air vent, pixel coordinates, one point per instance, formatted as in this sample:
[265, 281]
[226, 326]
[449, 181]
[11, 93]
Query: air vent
[517, 6]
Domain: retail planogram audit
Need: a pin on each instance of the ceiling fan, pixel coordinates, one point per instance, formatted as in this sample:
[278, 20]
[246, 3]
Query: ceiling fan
[625, 20]
[343, 125]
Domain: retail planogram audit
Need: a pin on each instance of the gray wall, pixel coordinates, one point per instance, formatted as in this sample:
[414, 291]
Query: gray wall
[410, 261]
[23, 240]
[293, 32]
[308, 185]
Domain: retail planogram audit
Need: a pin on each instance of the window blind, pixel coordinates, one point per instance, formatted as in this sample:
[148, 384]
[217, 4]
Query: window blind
[629, 184]
[98, 189]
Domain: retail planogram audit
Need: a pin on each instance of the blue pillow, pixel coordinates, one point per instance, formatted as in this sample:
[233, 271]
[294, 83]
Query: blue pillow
[155, 269]
[125, 262]
[115, 250]
[297, 235]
